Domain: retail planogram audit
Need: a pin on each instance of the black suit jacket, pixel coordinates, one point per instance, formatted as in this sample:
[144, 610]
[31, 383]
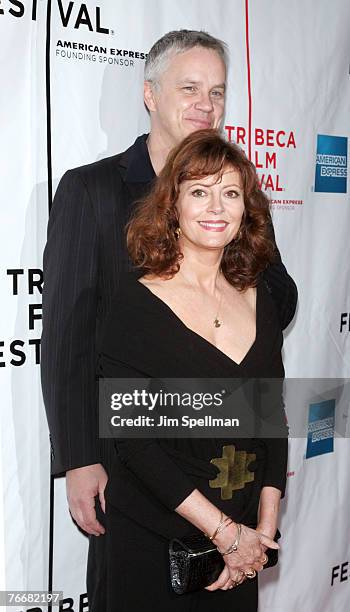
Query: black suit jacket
[84, 259]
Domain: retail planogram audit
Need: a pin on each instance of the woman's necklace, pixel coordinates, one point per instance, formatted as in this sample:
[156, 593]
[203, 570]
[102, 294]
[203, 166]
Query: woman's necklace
[217, 322]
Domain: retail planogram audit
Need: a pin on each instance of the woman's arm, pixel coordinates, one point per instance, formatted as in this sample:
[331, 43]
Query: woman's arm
[268, 511]
[273, 431]
[275, 473]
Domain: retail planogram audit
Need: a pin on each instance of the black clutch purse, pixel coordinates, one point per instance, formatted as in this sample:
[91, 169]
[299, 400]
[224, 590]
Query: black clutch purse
[195, 563]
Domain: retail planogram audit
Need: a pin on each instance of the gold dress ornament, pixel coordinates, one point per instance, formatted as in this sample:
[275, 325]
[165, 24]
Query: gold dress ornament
[234, 473]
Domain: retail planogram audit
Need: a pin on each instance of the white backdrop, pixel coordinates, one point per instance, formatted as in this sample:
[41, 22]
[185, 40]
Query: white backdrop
[288, 99]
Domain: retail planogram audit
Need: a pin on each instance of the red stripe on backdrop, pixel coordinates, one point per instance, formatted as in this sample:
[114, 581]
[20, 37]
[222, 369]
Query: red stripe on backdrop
[248, 80]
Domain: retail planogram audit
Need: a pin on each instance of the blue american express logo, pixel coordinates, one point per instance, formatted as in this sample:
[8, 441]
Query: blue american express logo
[320, 436]
[331, 164]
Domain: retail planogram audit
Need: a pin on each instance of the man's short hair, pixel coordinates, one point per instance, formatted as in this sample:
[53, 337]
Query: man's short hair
[179, 41]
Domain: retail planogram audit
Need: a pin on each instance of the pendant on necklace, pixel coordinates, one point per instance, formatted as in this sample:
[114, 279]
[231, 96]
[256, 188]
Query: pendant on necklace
[217, 322]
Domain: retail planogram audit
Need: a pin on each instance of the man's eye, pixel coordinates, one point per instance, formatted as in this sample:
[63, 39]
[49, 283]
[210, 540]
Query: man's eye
[198, 193]
[217, 93]
[189, 88]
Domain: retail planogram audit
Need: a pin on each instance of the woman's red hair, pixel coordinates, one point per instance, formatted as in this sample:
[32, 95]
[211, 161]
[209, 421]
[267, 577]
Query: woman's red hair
[151, 239]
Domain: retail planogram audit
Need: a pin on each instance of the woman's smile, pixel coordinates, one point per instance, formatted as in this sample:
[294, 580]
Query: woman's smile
[213, 226]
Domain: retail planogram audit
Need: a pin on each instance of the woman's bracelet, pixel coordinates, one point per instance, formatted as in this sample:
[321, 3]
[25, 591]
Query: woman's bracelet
[223, 523]
[235, 544]
[228, 521]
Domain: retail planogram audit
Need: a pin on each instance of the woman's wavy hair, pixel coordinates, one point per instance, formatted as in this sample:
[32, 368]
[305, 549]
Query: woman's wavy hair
[151, 233]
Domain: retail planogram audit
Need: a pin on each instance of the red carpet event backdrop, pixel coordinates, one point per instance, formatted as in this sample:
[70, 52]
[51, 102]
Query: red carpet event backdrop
[71, 93]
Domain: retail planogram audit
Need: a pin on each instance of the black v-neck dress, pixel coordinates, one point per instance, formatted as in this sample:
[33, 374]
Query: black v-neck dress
[143, 337]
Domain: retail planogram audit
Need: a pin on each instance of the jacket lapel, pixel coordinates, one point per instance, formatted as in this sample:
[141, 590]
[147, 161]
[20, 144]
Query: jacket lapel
[136, 171]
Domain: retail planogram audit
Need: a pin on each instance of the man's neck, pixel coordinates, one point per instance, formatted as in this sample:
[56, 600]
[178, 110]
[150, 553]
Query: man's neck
[158, 150]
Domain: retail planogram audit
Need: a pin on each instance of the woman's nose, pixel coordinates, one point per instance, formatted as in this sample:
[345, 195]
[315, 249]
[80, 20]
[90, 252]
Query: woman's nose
[215, 205]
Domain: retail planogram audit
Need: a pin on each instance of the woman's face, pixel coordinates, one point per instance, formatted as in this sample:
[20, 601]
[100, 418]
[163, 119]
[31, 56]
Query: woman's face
[210, 209]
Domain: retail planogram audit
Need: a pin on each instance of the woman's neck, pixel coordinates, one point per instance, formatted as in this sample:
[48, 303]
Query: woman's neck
[202, 270]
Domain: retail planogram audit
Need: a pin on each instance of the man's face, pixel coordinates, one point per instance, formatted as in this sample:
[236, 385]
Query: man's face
[189, 97]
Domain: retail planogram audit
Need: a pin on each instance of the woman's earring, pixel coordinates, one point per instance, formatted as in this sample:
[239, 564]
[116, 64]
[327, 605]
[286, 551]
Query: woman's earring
[178, 232]
[238, 236]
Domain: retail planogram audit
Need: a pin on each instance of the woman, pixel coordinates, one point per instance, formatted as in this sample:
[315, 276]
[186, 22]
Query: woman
[199, 309]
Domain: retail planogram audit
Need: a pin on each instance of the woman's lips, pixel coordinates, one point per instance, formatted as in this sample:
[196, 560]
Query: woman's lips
[213, 226]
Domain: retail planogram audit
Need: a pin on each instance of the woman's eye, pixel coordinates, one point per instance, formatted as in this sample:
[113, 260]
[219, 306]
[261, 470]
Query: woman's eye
[232, 193]
[198, 193]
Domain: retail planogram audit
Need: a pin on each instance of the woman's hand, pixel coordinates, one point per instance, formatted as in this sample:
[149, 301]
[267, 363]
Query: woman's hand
[268, 529]
[251, 549]
[225, 581]
[199, 511]
[250, 555]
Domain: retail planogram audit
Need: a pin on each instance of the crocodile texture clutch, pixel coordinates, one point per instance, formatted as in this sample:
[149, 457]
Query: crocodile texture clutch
[194, 563]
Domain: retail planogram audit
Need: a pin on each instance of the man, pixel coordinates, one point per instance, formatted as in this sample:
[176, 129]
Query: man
[184, 90]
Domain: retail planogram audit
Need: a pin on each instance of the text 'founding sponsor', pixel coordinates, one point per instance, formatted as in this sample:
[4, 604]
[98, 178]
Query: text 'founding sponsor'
[96, 53]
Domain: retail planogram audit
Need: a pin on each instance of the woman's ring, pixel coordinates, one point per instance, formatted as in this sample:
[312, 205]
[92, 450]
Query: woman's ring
[265, 560]
[240, 577]
[251, 574]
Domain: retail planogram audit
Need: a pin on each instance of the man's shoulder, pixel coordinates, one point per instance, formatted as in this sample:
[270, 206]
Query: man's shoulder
[106, 165]
[99, 167]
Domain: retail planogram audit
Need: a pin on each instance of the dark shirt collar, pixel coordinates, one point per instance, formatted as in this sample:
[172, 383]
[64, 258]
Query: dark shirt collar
[140, 169]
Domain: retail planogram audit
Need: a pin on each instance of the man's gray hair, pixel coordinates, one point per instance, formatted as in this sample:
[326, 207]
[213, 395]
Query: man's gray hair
[179, 41]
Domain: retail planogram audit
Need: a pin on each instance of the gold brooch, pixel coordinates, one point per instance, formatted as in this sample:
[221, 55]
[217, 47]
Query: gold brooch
[234, 473]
